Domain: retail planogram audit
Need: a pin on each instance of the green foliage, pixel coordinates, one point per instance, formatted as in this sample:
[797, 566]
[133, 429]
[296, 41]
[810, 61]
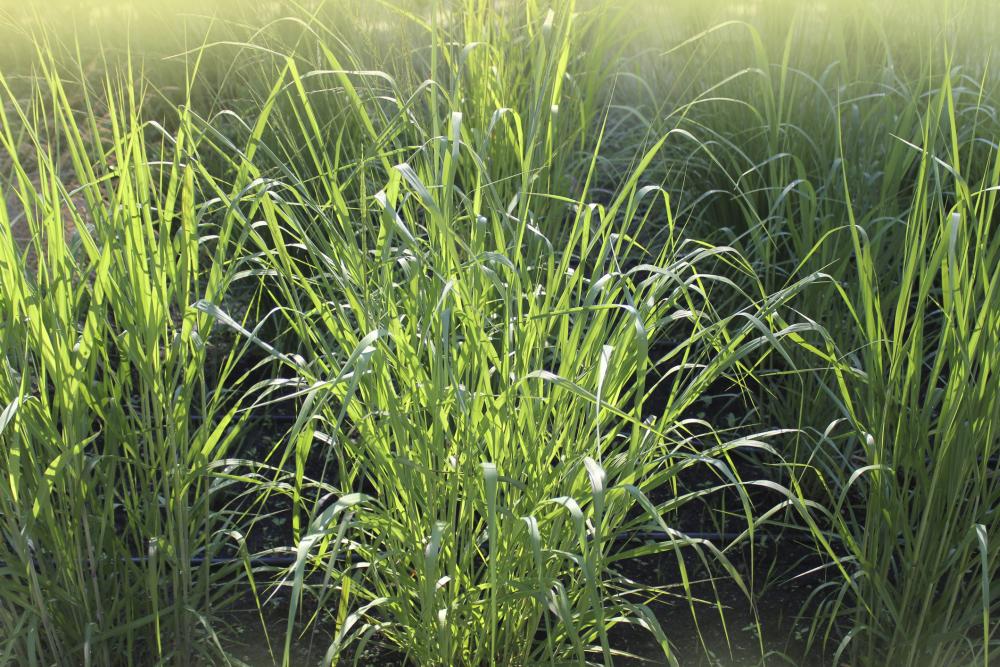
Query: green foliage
[495, 256]
[108, 480]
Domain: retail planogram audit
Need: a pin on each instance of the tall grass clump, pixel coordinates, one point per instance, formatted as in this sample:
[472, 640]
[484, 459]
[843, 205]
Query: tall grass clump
[501, 373]
[485, 391]
[919, 489]
[111, 428]
[856, 156]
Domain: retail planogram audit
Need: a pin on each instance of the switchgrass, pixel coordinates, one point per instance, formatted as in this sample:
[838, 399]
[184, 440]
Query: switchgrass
[112, 430]
[485, 400]
[918, 527]
[876, 166]
[479, 352]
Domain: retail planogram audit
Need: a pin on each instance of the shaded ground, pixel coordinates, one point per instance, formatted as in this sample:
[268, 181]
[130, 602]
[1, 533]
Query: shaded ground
[736, 636]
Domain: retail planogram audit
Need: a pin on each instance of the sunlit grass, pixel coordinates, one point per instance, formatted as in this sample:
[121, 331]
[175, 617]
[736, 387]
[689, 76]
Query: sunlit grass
[495, 258]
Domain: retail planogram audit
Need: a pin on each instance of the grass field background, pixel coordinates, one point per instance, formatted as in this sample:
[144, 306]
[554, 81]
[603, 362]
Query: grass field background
[427, 332]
